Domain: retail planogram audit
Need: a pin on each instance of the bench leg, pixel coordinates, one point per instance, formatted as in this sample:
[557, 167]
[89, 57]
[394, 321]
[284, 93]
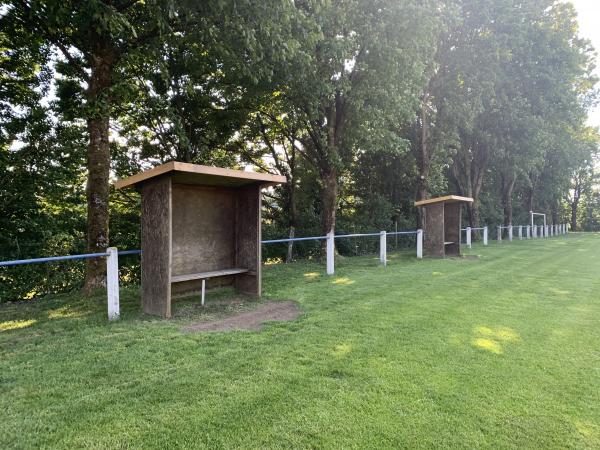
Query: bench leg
[203, 288]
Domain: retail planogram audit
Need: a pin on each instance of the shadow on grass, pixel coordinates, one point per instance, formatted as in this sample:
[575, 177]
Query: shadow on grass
[60, 313]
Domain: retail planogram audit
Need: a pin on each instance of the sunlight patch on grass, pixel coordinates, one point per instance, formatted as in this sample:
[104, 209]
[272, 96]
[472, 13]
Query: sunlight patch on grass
[490, 339]
[587, 429]
[273, 261]
[342, 349]
[500, 333]
[489, 345]
[64, 312]
[436, 274]
[343, 281]
[311, 276]
[561, 292]
[16, 324]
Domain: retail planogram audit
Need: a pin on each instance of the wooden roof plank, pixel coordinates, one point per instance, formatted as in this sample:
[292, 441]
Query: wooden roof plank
[206, 173]
[444, 199]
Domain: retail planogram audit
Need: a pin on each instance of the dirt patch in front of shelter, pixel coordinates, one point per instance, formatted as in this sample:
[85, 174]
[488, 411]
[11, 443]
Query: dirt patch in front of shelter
[250, 320]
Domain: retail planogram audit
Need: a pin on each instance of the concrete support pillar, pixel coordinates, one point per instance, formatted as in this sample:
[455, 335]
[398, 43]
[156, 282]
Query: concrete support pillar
[383, 248]
[112, 283]
[330, 253]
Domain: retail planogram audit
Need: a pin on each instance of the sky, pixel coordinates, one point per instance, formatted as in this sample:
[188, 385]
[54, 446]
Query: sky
[589, 28]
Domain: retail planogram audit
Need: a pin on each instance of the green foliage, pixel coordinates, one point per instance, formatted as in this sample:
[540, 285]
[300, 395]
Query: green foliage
[338, 96]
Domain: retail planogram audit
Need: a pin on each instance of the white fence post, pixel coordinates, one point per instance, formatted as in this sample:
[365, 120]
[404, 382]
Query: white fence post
[528, 232]
[383, 248]
[533, 231]
[469, 237]
[510, 233]
[520, 232]
[419, 244]
[330, 253]
[112, 283]
[485, 235]
[499, 234]
[546, 231]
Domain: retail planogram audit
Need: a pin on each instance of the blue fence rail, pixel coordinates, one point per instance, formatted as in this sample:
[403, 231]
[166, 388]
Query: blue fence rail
[112, 261]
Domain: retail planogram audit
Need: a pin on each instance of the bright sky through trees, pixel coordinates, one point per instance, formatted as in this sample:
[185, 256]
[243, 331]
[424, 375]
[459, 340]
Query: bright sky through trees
[589, 16]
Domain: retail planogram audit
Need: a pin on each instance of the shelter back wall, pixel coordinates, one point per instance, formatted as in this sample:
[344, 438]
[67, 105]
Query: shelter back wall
[203, 229]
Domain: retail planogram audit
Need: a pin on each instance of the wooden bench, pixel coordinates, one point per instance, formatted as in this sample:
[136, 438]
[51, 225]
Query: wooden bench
[207, 275]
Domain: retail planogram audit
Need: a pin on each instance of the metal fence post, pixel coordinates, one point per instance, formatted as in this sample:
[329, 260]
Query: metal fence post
[485, 235]
[528, 232]
[383, 248]
[469, 237]
[419, 244]
[112, 283]
[330, 253]
[499, 234]
[520, 232]
[510, 233]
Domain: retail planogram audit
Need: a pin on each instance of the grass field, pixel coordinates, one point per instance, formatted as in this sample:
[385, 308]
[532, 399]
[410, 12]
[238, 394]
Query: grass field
[497, 352]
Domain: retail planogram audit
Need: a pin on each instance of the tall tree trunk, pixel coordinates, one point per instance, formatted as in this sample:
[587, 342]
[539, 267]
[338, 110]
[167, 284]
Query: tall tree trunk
[98, 159]
[473, 213]
[554, 212]
[329, 165]
[293, 217]
[423, 159]
[329, 192]
[574, 204]
[508, 187]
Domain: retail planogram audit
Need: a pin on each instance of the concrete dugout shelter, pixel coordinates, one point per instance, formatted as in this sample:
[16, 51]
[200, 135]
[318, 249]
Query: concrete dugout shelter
[442, 225]
[200, 225]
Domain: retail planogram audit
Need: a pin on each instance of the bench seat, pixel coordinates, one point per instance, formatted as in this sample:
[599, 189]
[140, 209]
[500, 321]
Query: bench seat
[206, 275]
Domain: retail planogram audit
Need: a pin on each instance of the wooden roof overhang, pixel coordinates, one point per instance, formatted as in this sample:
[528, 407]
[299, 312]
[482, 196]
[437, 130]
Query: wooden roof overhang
[445, 199]
[195, 174]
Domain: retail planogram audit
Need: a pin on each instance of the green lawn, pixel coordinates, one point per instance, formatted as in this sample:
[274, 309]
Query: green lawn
[497, 352]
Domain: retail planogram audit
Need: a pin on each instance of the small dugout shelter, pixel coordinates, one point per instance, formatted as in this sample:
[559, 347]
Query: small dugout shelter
[200, 225]
[442, 225]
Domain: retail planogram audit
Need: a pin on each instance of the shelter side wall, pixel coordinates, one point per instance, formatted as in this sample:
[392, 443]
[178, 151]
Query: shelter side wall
[248, 237]
[433, 230]
[156, 245]
[452, 223]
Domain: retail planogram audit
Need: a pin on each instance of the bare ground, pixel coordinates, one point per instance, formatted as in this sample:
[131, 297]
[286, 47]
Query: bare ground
[249, 320]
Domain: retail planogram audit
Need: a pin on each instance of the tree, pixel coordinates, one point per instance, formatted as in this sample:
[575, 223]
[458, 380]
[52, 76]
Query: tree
[94, 43]
[360, 80]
